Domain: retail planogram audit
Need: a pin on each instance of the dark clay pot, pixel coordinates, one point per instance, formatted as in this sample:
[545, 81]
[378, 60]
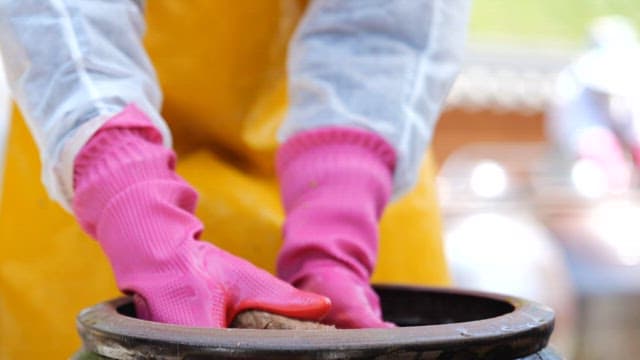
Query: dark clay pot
[434, 324]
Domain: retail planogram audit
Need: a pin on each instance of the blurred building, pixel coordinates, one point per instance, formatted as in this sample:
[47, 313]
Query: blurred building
[518, 221]
[500, 95]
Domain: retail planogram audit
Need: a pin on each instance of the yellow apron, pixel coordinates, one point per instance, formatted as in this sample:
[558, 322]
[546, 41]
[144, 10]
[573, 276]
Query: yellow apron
[221, 65]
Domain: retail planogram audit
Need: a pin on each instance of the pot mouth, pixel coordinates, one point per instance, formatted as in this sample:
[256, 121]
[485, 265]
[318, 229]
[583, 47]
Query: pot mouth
[433, 322]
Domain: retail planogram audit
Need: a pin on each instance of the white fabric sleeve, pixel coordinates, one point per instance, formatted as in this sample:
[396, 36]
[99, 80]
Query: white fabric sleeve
[377, 64]
[71, 64]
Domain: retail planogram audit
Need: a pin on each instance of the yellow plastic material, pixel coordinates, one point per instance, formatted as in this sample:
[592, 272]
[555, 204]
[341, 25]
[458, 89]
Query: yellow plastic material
[221, 64]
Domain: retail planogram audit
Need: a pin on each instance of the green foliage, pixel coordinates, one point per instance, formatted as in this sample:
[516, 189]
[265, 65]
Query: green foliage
[562, 21]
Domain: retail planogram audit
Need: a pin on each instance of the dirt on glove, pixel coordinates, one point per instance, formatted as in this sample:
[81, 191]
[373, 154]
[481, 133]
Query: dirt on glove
[256, 319]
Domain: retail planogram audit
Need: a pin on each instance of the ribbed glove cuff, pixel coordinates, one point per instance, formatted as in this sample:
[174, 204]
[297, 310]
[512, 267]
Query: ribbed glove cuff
[126, 151]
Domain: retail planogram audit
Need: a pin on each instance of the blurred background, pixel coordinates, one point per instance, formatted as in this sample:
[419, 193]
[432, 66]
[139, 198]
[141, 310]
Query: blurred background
[538, 161]
[538, 151]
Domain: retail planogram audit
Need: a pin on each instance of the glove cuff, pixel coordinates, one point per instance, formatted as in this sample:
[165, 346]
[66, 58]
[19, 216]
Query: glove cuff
[126, 151]
[335, 157]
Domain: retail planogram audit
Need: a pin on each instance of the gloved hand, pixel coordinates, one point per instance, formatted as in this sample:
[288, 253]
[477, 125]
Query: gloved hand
[335, 183]
[128, 197]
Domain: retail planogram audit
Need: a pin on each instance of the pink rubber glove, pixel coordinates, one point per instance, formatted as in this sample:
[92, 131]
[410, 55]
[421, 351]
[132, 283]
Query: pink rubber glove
[335, 183]
[129, 198]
